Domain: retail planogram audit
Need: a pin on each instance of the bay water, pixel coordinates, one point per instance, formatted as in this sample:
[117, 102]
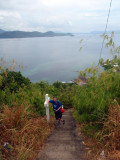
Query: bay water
[54, 58]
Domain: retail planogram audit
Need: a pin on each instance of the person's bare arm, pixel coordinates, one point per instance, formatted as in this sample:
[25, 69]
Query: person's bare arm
[58, 108]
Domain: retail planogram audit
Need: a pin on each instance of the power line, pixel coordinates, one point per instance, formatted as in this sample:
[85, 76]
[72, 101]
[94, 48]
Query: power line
[105, 29]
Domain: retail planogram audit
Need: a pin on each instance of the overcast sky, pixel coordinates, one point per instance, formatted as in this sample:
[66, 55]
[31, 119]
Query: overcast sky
[59, 15]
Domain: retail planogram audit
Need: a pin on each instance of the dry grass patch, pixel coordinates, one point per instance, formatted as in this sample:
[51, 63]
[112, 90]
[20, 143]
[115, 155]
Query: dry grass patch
[22, 134]
[109, 137]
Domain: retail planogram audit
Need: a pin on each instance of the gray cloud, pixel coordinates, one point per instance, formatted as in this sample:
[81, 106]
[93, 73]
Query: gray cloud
[58, 15]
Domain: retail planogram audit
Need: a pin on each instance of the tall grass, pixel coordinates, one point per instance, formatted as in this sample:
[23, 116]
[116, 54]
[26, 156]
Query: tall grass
[24, 132]
[97, 108]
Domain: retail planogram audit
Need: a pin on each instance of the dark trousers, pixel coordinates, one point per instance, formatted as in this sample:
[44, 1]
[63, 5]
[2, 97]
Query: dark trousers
[58, 115]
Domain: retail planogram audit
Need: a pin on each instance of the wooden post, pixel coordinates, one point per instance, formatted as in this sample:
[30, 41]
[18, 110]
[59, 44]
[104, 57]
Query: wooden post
[47, 107]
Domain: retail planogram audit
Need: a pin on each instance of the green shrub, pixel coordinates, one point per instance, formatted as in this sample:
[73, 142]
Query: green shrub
[39, 105]
[14, 80]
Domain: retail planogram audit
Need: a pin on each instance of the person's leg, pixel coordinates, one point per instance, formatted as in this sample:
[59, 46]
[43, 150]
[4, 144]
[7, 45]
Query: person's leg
[59, 120]
[60, 116]
[57, 117]
[63, 121]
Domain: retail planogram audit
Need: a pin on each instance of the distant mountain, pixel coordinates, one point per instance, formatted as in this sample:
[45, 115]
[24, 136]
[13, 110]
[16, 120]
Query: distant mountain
[2, 31]
[23, 34]
[101, 32]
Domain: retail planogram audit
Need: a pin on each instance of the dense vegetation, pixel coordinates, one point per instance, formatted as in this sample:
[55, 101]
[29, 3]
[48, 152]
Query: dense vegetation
[22, 114]
[22, 106]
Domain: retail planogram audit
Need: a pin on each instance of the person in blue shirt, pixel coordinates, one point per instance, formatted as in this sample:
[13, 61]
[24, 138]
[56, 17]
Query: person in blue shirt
[57, 109]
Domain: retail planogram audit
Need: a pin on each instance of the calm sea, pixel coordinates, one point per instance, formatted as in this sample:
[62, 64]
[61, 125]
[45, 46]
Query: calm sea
[54, 58]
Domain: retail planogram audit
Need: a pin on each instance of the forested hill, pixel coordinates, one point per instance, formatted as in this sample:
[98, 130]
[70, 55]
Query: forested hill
[23, 34]
[2, 31]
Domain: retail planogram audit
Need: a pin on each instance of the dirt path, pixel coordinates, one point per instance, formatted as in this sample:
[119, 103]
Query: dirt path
[63, 143]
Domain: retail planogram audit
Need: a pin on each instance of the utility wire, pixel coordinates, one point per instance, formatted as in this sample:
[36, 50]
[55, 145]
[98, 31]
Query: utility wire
[105, 29]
